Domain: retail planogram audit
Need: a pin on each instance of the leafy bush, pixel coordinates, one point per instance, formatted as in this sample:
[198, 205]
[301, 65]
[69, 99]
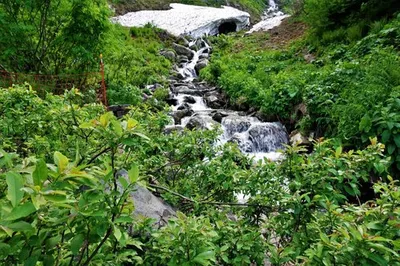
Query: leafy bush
[124, 94]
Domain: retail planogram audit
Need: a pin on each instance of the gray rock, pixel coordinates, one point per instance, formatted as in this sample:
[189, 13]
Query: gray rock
[218, 116]
[296, 138]
[185, 90]
[200, 122]
[183, 59]
[189, 99]
[148, 205]
[177, 74]
[183, 41]
[182, 50]
[178, 115]
[169, 55]
[119, 110]
[215, 100]
[184, 106]
[204, 56]
[174, 128]
[201, 64]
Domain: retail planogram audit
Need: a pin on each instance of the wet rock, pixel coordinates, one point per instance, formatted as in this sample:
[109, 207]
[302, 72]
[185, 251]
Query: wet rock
[200, 65]
[184, 106]
[178, 115]
[183, 41]
[185, 90]
[243, 144]
[183, 59]
[169, 54]
[189, 99]
[218, 116]
[174, 128]
[200, 122]
[171, 100]
[237, 124]
[215, 100]
[119, 110]
[182, 50]
[177, 74]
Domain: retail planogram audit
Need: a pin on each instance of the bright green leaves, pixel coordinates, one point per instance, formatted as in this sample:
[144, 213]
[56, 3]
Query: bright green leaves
[133, 173]
[365, 123]
[61, 161]
[40, 173]
[21, 211]
[76, 243]
[15, 183]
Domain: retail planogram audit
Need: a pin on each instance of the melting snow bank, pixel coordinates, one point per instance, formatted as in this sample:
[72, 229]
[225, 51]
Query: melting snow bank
[195, 21]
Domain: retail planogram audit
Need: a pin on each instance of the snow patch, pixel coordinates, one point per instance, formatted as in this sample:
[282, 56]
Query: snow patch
[181, 19]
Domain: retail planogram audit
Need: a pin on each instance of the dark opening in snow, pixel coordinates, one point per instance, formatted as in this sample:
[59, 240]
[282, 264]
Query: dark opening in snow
[227, 27]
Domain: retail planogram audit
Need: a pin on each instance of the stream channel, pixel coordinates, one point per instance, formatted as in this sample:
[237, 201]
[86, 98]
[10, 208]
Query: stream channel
[196, 105]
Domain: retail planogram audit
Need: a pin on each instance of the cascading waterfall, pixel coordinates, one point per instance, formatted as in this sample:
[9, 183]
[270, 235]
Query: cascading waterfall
[271, 18]
[197, 105]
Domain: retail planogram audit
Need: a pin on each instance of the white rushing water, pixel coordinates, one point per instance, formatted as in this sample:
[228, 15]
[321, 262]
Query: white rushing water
[271, 18]
[188, 69]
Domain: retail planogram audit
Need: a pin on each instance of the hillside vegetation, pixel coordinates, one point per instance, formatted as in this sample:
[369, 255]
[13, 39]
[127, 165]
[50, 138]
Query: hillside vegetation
[64, 200]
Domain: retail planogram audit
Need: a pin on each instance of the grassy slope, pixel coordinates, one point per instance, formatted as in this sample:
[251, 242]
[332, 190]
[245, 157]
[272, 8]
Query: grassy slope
[348, 88]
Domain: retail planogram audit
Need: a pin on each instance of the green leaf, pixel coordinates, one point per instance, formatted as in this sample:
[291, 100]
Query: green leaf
[76, 243]
[397, 140]
[61, 161]
[20, 226]
[40, 173]
[141, 135]
[377, 258]
[133, 173]
[385, 136]
[365, 123]
[379, 167]
[338, 151]
[21, 212]
[117, 128]
[117, 233]
[204, 257]
[5, 250]
[391, 148]
[14, 183]
[31, 261]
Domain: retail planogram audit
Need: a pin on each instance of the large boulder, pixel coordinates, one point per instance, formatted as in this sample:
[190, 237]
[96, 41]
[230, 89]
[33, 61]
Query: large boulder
[169, 55]
[200, 122]
[185, 90]
[119, 110]
[148, 205]
[182, 50]
[200, 65]
[178, 115]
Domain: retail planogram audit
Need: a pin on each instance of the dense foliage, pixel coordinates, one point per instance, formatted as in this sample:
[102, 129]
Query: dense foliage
[350, 90]
[59, 199]
[65, 200]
